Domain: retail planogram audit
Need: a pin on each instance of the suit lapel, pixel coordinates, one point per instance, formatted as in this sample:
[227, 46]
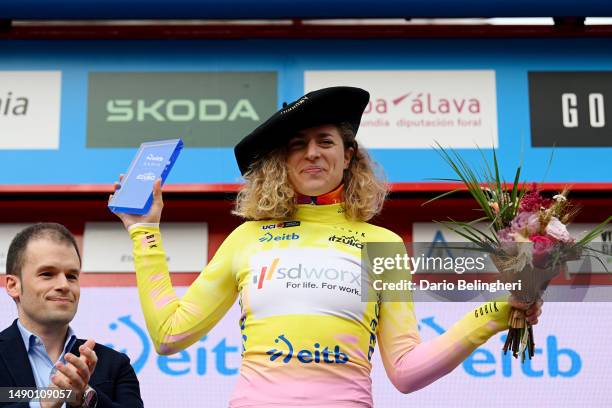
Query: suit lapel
[75, 347]
[14, 354]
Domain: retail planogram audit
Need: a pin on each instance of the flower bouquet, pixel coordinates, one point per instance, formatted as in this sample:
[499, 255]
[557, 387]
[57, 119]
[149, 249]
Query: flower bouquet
[526, 235]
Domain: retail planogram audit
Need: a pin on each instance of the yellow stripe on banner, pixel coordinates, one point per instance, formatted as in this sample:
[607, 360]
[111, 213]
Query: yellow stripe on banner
[272, 268]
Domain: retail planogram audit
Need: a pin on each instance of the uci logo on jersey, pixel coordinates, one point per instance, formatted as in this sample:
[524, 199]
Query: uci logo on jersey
[268, 237]
[316, 355]
[286, 224]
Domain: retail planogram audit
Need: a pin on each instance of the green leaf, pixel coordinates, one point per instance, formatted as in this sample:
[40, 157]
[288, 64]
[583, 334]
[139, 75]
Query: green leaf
[550, 160]
[594, 232]
[469, 229]
[440, 196]
[515, 188]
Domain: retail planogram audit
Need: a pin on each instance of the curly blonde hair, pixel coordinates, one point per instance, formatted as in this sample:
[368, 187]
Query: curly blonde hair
[268, 194]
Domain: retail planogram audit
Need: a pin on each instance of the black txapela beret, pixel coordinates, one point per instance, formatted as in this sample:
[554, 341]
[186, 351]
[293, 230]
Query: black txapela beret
[324, 106]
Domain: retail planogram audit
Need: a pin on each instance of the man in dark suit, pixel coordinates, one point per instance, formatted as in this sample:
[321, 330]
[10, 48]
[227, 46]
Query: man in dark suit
[40, 349]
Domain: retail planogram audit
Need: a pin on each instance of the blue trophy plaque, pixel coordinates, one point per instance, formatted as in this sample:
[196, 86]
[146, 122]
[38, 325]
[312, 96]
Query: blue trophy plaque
[152, 161]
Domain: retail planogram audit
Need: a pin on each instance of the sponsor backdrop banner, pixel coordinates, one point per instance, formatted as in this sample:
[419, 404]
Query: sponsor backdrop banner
[7, 233]
[571, 108]
[29, 109]
[205, 109]
[211, 93]
[107, 247]
[570, 368]
[417, 109]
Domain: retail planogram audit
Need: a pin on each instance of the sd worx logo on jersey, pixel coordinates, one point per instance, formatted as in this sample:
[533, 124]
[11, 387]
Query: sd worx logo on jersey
[305, 275]
[265, 273]
[316, 355]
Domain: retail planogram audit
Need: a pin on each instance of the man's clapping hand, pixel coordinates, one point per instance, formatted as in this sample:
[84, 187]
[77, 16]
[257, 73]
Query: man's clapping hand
[74, 375]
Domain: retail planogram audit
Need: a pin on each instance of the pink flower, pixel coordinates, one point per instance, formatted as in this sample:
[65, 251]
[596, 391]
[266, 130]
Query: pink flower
[543, 246]
[557, 230]
[525, 222]
[505, 235]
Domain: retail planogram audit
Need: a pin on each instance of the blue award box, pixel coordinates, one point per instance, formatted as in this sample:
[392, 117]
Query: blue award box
[152, 161]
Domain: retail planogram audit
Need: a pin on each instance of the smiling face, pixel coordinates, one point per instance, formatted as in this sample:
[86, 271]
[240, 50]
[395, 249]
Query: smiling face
[316, 160]
[47, 291]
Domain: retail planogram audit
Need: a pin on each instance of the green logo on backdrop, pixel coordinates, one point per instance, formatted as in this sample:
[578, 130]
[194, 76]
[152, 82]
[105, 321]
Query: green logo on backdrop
[205, 109]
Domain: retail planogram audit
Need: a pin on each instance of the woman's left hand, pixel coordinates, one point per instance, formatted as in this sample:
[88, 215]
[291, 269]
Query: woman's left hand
[532, 312]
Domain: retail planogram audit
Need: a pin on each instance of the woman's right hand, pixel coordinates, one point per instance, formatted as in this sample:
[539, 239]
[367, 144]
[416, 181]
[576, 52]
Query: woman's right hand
[154, 214]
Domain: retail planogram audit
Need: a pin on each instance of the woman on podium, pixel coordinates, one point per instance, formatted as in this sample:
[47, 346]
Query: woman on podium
[295, 266]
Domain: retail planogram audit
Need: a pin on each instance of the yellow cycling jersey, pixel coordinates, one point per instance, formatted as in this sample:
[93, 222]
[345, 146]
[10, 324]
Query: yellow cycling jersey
[308, 338]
